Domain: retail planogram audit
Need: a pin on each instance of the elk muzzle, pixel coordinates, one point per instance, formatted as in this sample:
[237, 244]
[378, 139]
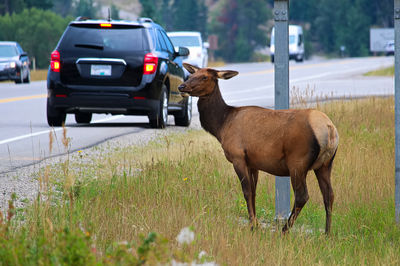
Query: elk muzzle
[183, 90]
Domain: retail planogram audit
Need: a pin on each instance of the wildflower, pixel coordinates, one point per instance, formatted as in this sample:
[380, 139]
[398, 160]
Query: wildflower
[186, 236]
[185, 179]
[202, 254]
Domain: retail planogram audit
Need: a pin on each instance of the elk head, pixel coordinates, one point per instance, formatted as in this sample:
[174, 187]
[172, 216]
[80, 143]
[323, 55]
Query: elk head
[203, 81]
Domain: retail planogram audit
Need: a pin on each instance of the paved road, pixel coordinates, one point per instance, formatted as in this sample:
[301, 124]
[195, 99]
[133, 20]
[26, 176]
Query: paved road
[24, 133]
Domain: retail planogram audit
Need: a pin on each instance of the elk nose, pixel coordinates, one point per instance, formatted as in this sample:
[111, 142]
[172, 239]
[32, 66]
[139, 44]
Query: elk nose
[182, 87]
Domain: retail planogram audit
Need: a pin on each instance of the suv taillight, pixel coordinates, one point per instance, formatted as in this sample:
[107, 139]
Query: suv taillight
[150, 64]
[55, 61]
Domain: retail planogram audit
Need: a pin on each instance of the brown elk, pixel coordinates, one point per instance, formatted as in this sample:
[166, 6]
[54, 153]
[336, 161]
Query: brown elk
[279, 142]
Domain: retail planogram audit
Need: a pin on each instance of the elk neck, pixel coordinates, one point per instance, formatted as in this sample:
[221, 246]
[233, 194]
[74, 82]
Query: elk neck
[213, 112]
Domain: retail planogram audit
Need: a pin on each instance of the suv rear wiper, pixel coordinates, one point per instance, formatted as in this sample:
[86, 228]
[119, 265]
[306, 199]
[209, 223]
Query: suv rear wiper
[88, 45]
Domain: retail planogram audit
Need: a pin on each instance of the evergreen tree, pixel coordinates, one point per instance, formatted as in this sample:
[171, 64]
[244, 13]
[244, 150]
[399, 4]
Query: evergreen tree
[41, 4]
[38, 32]
[63, 7]
[86, 8]
[114, 12]
[238, 24]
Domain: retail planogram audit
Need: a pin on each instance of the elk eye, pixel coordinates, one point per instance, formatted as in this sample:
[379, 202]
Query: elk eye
[205, 78]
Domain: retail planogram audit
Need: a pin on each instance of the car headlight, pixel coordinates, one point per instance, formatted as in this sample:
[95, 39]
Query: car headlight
[13, 64]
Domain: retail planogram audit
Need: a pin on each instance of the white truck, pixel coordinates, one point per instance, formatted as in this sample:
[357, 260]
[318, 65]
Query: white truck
[296, 43]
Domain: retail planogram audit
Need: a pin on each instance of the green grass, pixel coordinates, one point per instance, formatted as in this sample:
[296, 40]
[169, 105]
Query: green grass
[103, 209]
[387, 71]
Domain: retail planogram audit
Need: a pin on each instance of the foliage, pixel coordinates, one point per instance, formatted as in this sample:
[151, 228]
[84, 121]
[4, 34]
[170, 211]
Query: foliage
[177, 15]
[86, 8]
[37, 31]
[12, 6]
[238, 24]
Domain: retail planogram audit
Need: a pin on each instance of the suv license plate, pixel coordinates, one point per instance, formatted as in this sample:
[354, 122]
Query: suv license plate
[100, 70]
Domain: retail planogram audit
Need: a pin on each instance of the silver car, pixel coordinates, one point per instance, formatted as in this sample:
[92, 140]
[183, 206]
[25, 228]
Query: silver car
[14, 63]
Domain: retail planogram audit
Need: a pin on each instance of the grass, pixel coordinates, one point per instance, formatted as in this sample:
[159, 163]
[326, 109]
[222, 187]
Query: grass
[127, 205]
[387, 71]
[39, 74]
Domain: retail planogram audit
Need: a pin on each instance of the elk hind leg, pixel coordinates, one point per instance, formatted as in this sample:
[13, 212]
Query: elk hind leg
[300, 198]
[324, 180]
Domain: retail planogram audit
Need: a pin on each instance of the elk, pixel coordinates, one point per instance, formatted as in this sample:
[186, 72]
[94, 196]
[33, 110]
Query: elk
[279, 142]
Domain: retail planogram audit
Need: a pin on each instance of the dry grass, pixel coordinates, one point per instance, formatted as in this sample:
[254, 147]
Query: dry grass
[39, 74]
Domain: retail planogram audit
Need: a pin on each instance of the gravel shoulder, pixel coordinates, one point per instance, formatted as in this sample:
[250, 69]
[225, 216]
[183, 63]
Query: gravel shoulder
[23, 180]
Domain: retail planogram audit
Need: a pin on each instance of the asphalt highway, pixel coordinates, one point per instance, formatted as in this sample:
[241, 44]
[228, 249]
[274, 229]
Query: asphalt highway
[24, 133]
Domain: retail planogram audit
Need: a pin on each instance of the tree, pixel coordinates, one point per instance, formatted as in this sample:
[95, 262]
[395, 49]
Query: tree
[114, 12]
[239, 26]
[63, 7]
[177, 15]
[41, 4]
[11, 6]
[38, 32]
[86, 8]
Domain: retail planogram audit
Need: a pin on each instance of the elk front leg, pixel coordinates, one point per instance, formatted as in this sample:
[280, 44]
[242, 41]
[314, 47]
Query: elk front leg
[246, 181]
[254, 180]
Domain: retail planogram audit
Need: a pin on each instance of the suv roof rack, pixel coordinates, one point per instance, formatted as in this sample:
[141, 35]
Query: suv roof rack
[145, 20]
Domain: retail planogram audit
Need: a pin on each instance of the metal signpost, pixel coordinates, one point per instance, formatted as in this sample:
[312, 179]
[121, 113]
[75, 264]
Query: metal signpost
[281, 16]
[397, 107]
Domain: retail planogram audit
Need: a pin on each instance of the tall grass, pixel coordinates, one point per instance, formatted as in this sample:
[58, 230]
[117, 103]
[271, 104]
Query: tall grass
[99, 209]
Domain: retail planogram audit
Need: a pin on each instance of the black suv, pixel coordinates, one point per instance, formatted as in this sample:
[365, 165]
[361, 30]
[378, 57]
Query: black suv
[14, 63]
[116, 67]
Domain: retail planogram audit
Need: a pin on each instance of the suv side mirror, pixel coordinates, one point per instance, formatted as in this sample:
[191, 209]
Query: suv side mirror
[183, 51]
[206, 45]
[23, 54]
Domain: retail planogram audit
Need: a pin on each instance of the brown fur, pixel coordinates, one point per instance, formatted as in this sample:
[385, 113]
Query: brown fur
[279, 142]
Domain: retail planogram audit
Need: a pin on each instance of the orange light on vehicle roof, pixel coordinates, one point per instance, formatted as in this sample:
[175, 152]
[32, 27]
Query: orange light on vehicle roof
[105, 25]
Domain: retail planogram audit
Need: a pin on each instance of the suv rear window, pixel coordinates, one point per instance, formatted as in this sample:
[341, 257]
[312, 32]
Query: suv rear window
[106, 39]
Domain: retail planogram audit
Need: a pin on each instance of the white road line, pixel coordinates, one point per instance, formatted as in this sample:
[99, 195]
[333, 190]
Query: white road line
[307, 78]
[5, 141]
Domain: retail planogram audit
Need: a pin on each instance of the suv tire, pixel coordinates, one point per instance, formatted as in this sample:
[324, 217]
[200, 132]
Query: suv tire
[162, 116]
[55, 117]
[83, 118]
[20, 79]
[185, 117]
[28, 77]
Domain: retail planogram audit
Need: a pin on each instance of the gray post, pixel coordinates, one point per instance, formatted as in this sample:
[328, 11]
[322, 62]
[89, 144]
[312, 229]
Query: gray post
[281, 15]
[397, 107]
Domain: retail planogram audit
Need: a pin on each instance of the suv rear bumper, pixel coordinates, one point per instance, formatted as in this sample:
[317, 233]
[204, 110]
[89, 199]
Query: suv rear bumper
[104, 104]
[142, 100]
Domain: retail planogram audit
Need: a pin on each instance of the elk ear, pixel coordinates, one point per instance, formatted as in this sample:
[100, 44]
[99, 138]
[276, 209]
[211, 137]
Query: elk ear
[227, 74]
[190, 68]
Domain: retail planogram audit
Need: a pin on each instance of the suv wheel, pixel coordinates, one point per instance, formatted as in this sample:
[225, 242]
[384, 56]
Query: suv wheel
[28, 77]
[185, 117]
[299, 58]
[162, 116]
[20, 79]
[55, 117]
[83, 118]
